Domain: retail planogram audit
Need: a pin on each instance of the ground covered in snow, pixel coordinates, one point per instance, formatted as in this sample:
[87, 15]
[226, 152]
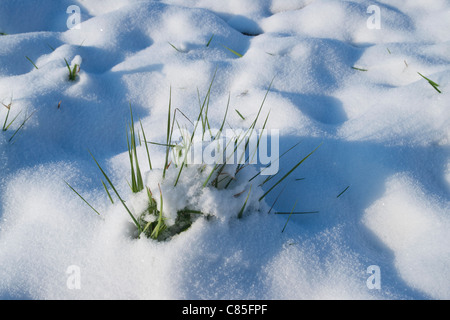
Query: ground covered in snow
[384, 132]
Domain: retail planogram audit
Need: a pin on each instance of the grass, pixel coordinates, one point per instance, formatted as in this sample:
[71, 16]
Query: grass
[22, 125]
[360, 69]
[31, 61]
[287, 174]
[210, 40]
[239, 114]
[73, 72]
[152, 221]
[7, 124]
[345, 190]
[232, 51]
[81, 197]
[137, 183]
[284, 228]
[431, 82]
[179, 50]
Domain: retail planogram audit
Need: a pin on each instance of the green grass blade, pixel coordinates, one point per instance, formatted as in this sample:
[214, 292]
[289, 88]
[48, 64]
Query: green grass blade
[340, 194]
[298, 213]
[240, 115]
[160, 226]
[234, 52]
[284, 228]
[267, 166]
[287, 174]
[169, 134]
[431, 82]
[117, 194]
[360, 69]
[241, 212]
[32, 62]
[107, 192]
[21, 127]
[276, 199]
[146, 146]
[195, 128]
[82, 198]
[210, 40]
[175, 47]
[139, 180]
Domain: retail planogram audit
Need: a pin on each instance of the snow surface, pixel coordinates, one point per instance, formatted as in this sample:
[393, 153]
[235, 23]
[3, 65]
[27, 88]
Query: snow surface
[385, 135]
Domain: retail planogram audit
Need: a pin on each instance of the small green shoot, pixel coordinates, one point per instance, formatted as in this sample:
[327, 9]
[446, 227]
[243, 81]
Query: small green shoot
[431, 82]
[287, 174]
[107, 192]
[72, 71]
[160, 226]
[360, 69]
[51, 48]
[20, 127]
[146, 146]
[118, 195]
[210, 40]
[240, 114]
[340, 194]
[3, 34]
[241, 212]
[6, 125]
[234, 52]
[174, 47]
[82, 198]
[32, 62]
[169, 134]
[284, 228]
[137, 183]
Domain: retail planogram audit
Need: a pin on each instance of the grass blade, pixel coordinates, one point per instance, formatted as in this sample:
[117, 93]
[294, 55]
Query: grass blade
[175, 47]
[234, 52]
[431, 82]
[241, 212]
[240, 115]
[107, 192]
[146, 146]
[340, 194]
[210, 40]
[169, 134]
[195, 128]
[32, 62]
[284, 228]
[82, 198]
[118, 195]
[287, 174]
[360, 69]
[20, 127]
[160, 226]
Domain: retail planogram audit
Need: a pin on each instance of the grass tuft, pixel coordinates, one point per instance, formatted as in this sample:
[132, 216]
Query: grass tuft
[431, 82]
[72, 71]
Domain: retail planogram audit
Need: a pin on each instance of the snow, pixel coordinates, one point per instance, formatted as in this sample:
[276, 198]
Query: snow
[384, 134]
